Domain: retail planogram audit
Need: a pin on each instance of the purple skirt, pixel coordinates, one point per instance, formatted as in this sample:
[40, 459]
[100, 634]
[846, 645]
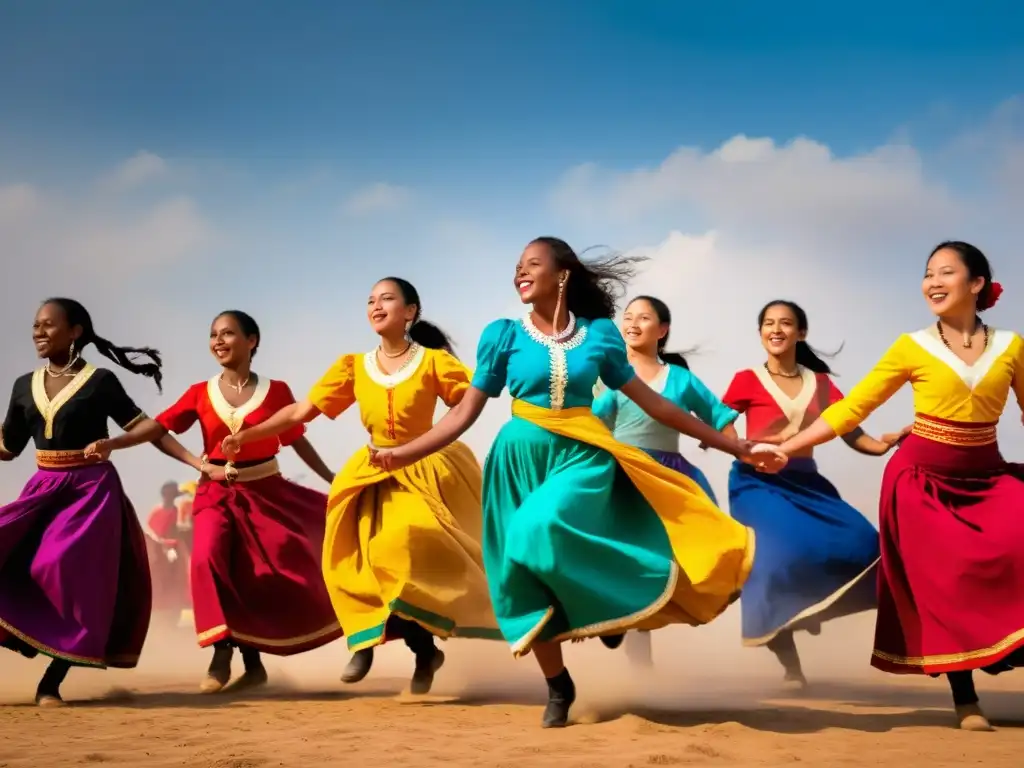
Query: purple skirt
[74, 574]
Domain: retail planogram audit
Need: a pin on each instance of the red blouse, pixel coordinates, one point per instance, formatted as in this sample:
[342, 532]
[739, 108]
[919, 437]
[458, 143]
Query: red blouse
[162, 521]
[769, 411]
[218, 419]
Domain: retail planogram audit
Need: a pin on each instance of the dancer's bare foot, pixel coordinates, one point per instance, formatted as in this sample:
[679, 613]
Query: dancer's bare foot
[971, 718]
[794, 681]
[49, 700]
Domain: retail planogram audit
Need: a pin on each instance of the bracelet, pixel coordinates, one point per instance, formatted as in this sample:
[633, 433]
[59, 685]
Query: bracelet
[203, 464]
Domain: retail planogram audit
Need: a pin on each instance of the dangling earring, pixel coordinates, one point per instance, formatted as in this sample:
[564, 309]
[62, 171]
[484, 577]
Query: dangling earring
[558, 308]
[71, 351]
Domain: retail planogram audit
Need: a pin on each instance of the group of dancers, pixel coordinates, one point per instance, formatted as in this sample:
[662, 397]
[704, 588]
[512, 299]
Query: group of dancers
[584, 521]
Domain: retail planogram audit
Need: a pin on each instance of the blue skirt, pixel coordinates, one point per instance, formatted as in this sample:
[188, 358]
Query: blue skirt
[817, 557]
[676, 461]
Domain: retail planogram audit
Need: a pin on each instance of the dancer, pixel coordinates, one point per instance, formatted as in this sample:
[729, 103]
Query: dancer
[574, 548]
[256, 581]
[74, 578]
[646, 324]
[951, 599]
[402, 550]
[168, 555]
[817, 555]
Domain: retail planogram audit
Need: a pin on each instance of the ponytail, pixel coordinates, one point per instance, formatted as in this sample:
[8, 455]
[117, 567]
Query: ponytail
[811, 359]
[125, 357]
[664, 316]
[428, 335]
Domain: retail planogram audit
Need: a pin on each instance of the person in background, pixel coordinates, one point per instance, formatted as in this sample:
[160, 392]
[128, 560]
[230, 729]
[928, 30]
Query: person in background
[168, 556]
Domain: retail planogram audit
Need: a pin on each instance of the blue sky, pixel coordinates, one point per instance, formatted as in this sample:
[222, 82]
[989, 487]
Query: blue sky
[169, 160]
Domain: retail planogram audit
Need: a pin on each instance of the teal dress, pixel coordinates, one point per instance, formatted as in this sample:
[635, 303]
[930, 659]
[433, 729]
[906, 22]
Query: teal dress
[571, 548]
[632, 426]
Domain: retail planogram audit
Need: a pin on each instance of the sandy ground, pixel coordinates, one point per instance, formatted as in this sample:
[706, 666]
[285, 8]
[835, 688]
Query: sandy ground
[711, 702]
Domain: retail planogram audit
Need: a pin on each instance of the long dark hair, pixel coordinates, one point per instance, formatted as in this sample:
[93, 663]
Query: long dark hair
[76, 314]
[977, 266]
[806, 355]
[595, 286]
[247, 324]
[665, 318]
[423, 332]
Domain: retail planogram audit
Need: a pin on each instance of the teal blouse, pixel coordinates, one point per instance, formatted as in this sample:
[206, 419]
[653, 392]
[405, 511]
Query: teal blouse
[546, 373]
[631, 425]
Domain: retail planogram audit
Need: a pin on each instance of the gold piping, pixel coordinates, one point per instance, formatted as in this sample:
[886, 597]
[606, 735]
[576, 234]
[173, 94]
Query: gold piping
[950, 658]
[47, 408]
[209, 634]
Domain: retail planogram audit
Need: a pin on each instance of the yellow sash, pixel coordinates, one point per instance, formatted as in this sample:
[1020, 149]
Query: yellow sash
[714, 552]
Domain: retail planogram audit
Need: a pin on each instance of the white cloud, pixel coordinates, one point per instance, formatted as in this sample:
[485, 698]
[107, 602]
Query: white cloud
[376, 198]
[141, 168]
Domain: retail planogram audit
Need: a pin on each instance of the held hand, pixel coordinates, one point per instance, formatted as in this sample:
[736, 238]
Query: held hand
[98, 451]
[172, 555]
[765, 457]
[388, 459]
[231, 446]
[893, 439]
[215, 473]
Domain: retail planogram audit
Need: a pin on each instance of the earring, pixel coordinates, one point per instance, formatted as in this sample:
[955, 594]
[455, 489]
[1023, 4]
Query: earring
[71, 351]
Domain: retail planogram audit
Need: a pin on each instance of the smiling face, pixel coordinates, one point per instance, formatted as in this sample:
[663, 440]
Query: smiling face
[641, 327]
[387, 311]
[537, 274]
[947, 285]
[51, 333]
[780, 330]
[228, 343]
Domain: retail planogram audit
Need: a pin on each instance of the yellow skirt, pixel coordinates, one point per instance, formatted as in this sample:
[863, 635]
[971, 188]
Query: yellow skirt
[408, 543]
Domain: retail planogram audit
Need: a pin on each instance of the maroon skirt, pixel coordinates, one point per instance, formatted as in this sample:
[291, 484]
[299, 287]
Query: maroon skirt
[256, 566]
[951, 581]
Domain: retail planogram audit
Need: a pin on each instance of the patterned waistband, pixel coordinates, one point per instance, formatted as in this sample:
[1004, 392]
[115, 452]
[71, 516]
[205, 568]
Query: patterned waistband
[265, 469]
[954, 432]
[62, 459]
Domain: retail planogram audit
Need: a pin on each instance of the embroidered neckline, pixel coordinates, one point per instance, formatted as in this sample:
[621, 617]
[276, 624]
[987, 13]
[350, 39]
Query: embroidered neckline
[404, 372]
[559, 375]
[233, 417]
[48, 408]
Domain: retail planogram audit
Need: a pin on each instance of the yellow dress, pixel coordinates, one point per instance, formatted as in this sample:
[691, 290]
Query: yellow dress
[405, 542]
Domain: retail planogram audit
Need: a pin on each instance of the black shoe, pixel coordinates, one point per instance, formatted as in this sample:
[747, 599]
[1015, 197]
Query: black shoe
[219, 673]
[561, 696]
[48, 692]
[426, 666]
[612, 641]
[358, 666]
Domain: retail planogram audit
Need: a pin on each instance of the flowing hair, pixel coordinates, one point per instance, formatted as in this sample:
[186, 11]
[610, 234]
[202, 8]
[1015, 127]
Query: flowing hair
[423, 332]
[806, 355]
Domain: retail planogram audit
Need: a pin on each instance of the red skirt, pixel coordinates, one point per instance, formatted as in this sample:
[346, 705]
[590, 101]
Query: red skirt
[170, 579]
[951, 581]
[256, 566]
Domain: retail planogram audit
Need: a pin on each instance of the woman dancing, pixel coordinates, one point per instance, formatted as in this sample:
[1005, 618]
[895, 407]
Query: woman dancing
[950, 591]
[402, 550]
[817, 555]
[573, 547]
[168, 555]
[256, 581]
[74, 578]
[646, 324]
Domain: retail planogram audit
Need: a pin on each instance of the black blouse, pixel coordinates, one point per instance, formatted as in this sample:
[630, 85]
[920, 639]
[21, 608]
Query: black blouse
[76, 417]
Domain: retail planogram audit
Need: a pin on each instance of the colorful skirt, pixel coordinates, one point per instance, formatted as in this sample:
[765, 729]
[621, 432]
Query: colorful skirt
[74, 578]
[951, 586]
[679, 463]
[586, 536]
[407, 544]
[817, 557]
[171, 591]
[256, 564]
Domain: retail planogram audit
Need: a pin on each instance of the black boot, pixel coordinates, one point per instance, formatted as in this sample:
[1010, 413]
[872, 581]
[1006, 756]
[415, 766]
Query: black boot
[612, 641]
[358, 666]
[561, 695]
[255, 673]
[219, 672]
[48, 692]
[429, 658]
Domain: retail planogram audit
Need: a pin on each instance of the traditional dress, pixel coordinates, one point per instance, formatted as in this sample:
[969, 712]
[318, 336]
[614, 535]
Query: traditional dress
[816, 556]
[256, 541]
[169, 571]
[574, 547]
[74, 579]
[630, 425]
[403, 543]
[951, 584]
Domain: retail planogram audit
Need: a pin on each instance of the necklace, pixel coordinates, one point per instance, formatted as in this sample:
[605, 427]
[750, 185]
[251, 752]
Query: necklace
[783, 375]
[562, 335]
[968, 338]
[237, 387]
[393, 355]
[63, 372]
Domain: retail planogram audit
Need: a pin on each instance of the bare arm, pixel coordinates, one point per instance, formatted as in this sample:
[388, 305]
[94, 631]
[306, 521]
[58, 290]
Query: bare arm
[862, 442]
[312, 459]
[146, 431]
[729, 430]
[819, 432]
[449, 429]
[664, 411]
[288, 417]
[168, 446]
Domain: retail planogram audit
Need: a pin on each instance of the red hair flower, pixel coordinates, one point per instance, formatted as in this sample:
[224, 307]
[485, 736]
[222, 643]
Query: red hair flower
[995, 291]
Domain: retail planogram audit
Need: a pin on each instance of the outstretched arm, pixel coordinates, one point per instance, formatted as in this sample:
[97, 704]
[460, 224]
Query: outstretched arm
[312, 459]
[169, 446]
[289, 417]
[449, 429]
[864, 443]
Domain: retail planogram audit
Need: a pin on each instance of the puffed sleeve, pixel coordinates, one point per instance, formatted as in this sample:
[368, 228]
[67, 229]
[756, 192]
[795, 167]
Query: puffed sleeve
[1018, 373]
[606, 405]
[884, 380]
[451, 377]
[615, 369]
[492, 357]
[701, 401]
[14, 434]
[738, 396]
[336, 390]
[121, 409]
[283, 397]
[183, 414]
